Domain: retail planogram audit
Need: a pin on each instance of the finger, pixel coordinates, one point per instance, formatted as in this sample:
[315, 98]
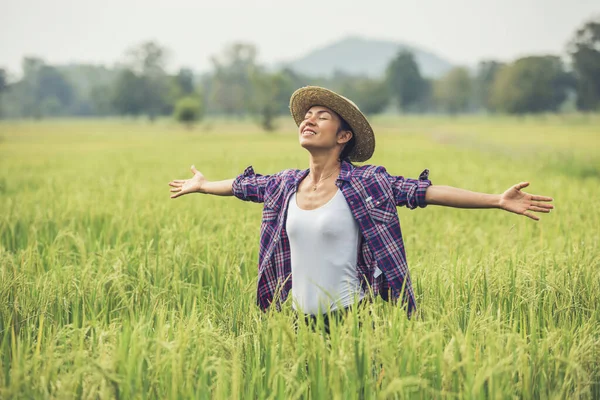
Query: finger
[541, 198]
[543, 205]
[521, 185]
[539, 209]
[194, 170]
[176, 190]
[534, 217]
[175, 184]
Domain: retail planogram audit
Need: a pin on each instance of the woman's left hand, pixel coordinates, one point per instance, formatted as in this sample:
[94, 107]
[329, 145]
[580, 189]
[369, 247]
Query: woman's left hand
[518, 202]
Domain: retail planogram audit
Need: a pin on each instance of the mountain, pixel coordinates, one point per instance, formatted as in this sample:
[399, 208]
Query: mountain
[359, 56]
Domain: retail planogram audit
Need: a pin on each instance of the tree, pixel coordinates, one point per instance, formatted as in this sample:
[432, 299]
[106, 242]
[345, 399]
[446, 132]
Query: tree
[102, 103]
[531, 85]
[232, 86]
[147, 59]
[486, 74]
[189, 110]
[43, 90]
[585, 53]
[53, 86]
[185, 81]
[3, 86]
[25, 89]
[181, 85]
[147, 62]
[452, 92]
[91, 86]
[3, 80]
[128, 94]
[405, 81]
[272, 93]
[370, 95]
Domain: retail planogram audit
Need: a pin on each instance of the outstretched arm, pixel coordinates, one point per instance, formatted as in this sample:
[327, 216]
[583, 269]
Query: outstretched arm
[248, 186]
[513, 199]
[199, 184]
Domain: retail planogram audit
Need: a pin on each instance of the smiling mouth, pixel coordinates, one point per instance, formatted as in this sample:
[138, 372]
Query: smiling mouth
[308, 132]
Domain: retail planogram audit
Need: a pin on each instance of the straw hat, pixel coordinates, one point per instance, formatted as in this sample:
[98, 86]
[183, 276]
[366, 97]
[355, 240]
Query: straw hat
[304, 98]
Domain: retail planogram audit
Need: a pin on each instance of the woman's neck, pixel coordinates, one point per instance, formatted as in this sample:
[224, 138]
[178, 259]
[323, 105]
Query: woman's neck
[322, 166]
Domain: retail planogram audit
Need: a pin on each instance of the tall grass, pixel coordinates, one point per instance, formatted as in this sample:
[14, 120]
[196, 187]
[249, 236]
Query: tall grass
[109, 289]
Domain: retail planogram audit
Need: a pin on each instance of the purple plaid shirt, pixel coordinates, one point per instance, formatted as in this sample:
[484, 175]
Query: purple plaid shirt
[372, 195]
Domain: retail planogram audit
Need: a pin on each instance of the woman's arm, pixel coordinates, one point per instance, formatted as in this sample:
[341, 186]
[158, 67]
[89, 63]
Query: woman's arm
[454, 197]
[218, 188]
[199, 184]
[248, 186]
[513, 199]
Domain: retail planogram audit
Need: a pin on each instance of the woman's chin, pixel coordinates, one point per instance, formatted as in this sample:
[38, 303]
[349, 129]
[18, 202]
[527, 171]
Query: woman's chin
[306, 143]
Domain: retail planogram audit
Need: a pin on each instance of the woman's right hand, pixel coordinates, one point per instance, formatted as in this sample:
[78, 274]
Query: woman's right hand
[185, 186]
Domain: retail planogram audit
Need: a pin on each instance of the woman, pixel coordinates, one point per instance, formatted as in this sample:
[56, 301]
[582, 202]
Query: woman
[330, 234]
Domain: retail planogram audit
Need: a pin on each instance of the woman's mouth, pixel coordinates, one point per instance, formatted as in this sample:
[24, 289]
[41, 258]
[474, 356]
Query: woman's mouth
[308, 132]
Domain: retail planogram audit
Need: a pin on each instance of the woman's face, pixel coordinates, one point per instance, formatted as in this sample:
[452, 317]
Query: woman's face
[319, 130]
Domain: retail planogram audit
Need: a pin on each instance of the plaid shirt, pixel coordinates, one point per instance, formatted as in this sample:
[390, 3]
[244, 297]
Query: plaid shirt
[372, 195]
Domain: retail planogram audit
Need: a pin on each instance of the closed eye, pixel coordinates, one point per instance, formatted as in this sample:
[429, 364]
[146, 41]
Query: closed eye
[322, 112]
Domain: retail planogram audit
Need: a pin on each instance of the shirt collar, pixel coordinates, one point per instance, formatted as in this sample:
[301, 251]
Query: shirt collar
[346, 171]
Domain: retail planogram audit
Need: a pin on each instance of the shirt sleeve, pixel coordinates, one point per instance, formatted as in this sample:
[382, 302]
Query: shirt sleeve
[250, 186]
[410, 192]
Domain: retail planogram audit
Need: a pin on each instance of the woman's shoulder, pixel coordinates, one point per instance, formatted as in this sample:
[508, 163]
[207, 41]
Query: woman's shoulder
[288, 176]
[367, 170]
[290, 173]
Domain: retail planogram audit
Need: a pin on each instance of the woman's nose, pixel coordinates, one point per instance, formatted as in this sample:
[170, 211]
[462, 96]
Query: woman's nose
[310, 120]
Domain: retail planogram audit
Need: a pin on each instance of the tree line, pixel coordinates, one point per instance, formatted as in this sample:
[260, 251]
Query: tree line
[238, 86]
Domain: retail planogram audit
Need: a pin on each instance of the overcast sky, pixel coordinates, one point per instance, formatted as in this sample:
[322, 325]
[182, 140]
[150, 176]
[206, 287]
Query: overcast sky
[462, 31]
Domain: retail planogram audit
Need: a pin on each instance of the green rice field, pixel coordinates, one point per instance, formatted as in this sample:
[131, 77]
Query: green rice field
[109, 289]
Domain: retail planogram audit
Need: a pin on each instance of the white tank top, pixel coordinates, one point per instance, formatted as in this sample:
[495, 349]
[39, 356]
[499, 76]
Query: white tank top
[324, 246]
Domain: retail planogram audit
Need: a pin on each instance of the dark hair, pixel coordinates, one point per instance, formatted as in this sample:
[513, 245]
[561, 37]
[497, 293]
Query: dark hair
[344, 155]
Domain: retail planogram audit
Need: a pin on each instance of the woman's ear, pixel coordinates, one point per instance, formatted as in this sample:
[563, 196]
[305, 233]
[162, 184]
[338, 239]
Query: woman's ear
[344, 137]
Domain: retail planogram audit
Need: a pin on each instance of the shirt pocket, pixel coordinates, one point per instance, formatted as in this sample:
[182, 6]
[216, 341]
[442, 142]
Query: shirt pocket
[271, 207]
[381, 209]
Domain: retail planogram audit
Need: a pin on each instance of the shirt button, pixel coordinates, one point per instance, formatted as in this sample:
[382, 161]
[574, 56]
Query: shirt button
[351, 201]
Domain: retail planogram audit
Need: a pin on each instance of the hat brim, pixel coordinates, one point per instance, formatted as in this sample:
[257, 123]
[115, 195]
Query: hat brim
[305, 98]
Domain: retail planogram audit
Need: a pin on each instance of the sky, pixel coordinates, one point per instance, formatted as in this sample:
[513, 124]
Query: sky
[461, 31]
